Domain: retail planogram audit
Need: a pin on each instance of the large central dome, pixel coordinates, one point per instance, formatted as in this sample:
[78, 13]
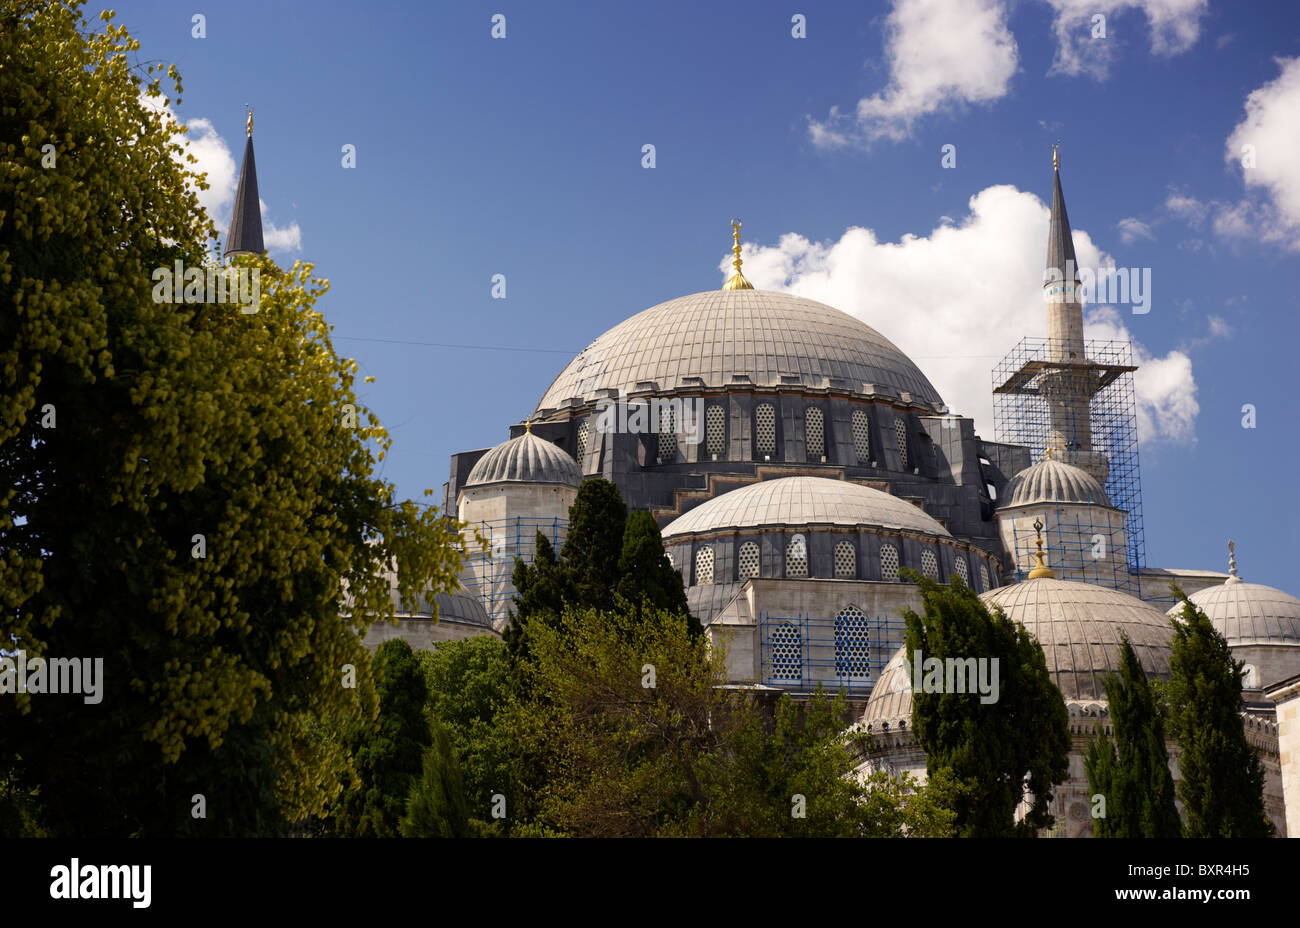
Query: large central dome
[718, 335]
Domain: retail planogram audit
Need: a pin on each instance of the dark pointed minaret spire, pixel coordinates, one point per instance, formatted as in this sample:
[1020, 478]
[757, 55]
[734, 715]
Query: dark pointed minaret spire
[245, 236]
[1060, 246]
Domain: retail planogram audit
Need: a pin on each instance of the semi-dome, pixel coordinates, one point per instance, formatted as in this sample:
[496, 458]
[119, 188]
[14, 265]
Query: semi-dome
[525, 459]
[1051, 481]
[720, 335]
[797, 502]
[1078, 626]
[1249, 613]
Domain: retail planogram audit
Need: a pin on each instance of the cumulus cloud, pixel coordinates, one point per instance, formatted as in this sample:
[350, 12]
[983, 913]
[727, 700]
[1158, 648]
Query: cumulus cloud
[958, 299]
[218, 163]
[1130, 230]
[1187, 208]
[941, 52]
[1263, 148]
[1175, 25]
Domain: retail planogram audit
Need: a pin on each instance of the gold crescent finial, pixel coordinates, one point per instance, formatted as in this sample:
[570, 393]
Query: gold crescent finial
[1042, 570]
[1056, 158]
[737, 281]
[528, 426]
[1049, 452]
[250, 119]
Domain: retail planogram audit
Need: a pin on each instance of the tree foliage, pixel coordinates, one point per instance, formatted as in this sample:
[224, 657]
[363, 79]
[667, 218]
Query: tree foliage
[1132, 770]
[1221, 778]
[593, 543]
[1000, 751]
[134, 434]
[436, 807]
[646, 578]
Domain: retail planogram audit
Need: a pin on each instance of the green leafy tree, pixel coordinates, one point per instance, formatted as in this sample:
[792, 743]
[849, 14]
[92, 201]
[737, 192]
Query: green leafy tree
[541, 590]
[388, 751]
[646, 578]
[1221, 779]
[184, 488]
[593, 543]
[469, 684]
[999, 750]
[436, 807]
[1132, 771]
[638, 738]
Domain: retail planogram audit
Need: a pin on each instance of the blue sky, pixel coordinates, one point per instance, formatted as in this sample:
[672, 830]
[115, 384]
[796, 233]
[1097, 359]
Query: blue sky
[523, 156]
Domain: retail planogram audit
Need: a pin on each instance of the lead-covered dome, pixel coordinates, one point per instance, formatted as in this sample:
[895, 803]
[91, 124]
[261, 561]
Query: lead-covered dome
[1249, 613]
[798, 502]
[1051, 481]
[720, 335]
[526, 459]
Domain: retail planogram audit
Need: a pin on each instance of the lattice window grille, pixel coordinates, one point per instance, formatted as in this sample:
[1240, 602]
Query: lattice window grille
[668, 435]
[984, 578]
[929, 565]
[747, 560]
[765, 429]
[888, 562]
[704, 565]
[815, 433]
[787, 652]
[715, 430]
[846, 560]
[852, 643]
[583, 431]
[796, 557]
[962, 570]
[900, 432]
[861, 437]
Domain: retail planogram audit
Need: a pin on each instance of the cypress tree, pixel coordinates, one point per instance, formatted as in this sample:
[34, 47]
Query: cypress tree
[1222, 778]
[1132, 771]
[647, 578]
[437, 806]
[594, 542]
[998, 750]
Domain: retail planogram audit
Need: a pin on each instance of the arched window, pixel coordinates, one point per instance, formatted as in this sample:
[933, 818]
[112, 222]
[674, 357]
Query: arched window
[715, 431]
[704, 565]
[900, 432]
[815, 433]
[583, 431]
[984, 577]
[929, 565]
[765, 429]
[846, 560]
[962, 570]
[852, 644]
[861, 437]
[787, 652]
[796, 557]
[888, 562]
[668, 435]
[747, 561]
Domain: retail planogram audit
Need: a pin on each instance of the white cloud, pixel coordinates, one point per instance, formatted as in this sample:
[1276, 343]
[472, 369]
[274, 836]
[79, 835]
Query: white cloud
[1219, 327]
[215, 159]
[1189, 209]
[1130, 230]
[1175, 26]
[941, 52]
[1271, 129]
[958, 300]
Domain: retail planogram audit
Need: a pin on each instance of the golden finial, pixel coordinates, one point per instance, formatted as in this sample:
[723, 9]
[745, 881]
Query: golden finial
[1042, 570]
[250, 120]
[528, 426]
[1232, 563]
[1049, 452]
[737, 281]
[1056, 158]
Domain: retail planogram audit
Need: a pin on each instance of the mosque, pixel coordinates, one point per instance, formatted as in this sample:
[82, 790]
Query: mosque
[795, 460]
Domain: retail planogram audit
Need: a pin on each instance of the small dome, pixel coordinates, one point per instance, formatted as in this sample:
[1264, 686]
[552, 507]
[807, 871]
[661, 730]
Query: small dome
[797, 502]
[526, 459]
[1051, 481]
[1078, 626]
[1249, 613]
